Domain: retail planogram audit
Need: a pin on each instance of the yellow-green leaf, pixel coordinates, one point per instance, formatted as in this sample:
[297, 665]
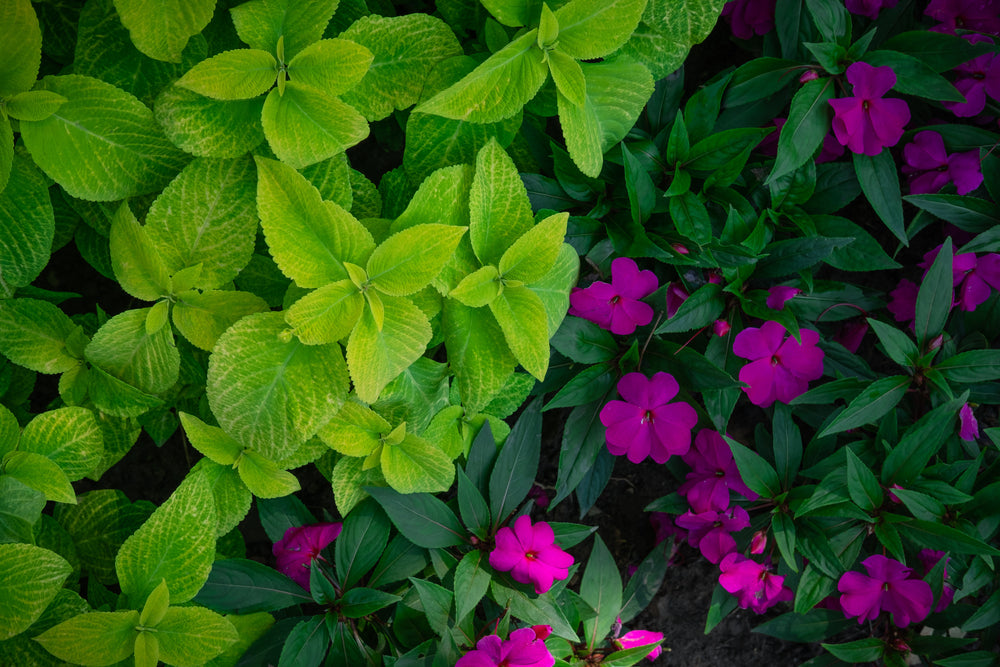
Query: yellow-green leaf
[407, 261]
[376, 356]
[415, 465]
[264, 478]
[534, 254]
[327, 314]
[522, 318]
[232, 75]
[356, 430]
[97, 638]
[30, 577]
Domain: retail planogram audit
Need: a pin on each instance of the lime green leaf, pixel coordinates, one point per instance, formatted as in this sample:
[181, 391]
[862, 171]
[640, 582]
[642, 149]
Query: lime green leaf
[117, 397]
[211, 441]
[157, 317]
[34, 333]
[29, 578]
[355, 430]
[27, 226]
[415, 465]
[103, 144]
[203, 317]
[408, 260]
[591, 29]
[309, 238]
[326, 315]
[349, 478]
[521, 316]
[514, 13]
[478, 288]
[333, 180]
[668, 30]
[304, 126]
[264, 478]
[161, 29]
[534, 254]
[443, 197]
[136, 263]
[230, 496]
[477, 352]
[156, 606]
[272, 394]
[123, 349]
[498, 203]
[232, 75]
[70, 437]
[261, 23]
[193, 636]
[20, 510]
[39, 473]
[97, 638]
[376, 357]
[498, 88]
[331, 66]
[147, 650]
[209, 128]
[406, 49]
[10, 431]
[568, 77]
[22, 40]
[34, 105]
[176, 543]
[554, 288]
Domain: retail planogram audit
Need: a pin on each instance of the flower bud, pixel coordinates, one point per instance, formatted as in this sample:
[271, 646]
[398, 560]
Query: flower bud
[935, 342]
[542, 631]
[758, 542]
[680, 249]
[808, 75]
[721, 327]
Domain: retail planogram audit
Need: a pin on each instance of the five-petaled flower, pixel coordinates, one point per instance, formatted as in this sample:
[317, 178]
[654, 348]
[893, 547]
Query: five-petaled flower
[980, 15]
[616, 306]
[867, 122]
[931, 168]
[887, 587]
[524, 648]
[300, 546]
[754, 585]
[713, 474]
[977, 79]
[641, 638]
[780, 368]
[530, 554]
[646, 423]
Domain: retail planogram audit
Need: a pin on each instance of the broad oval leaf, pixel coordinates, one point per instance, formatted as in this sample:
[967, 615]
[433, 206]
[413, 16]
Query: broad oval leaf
[421, 518]
[161, 28]
[22, 39]
[407, 261]
[533, 255]
[96, 638]
[27, 223]
[34, 334]
[264, 478]
[331, 66]
[30, 577]
[327, 314]
[206, 127]
[522, 318]
[124, 350]
[590, 29]
[202, 317]
[41, 474]
[232, 75]
[137, 265]
[193, 636]
[415, 465]
[500, 212]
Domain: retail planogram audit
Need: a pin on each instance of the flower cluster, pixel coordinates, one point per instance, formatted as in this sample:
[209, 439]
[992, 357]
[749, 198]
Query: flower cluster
[754, 585]
[530, 554]
[931, 168]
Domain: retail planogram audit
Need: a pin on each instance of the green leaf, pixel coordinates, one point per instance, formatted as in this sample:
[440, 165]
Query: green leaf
[103, 144]
[39, 473]
[202, 317]
[209, 128]
[896, 343]
[471, 583]
[534, 610]
[415, 465]
[156, 606]
[176, 543]
[27, 226]
[971, 367]
[232, 75]
[699, 310]
[757, 473]
[6, 151]
[136, 263]
[421, 518]
[241, 586]
[790, 255]
[535, 252]
[355, 430]
[436, 602]
[22, 39]
[496, 89]
[920, 442]
[327, 314]
[880, 182]
[20, 509]
[862, 650]
[33, 105]
[568, 77]
[406, 49]
[813, 626]
[590, 29]
[517, 464]
[231, 497]
[934, 299]
[601, 588]
[522, 318]
[95, 638]
[193, 636]
[500, 212]
[862, 484]
[330, 66]
[262, 23]
[407, 261]
[913, 77]
[264, 478]
[808, 122]
[965, 211]
[359, 602]
[270, 394]
[870, 405]
[161, 30]
[477, 353]
[35, 333]
[306, 644]
[30, 577]
[936, 535]
[668, 30]
[478, 288]
[123, 349]
[361, 542]
[864, 253]
[10, 431]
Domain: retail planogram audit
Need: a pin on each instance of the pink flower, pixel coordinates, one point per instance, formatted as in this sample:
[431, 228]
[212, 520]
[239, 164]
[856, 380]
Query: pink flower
[903, 301]
[969, 429]
[867, 122]
[929, 558]
[976, 79]
[713, 474]
[869, 8]
[779, 295]
[851, 333]
[676, 295]
[641, 638]
[710, 531]
[523, 649]
[616, 306]
[300, 545]
[747, 18]
[931, 168]
[721, 327]
[780, 368]
[758, 542]
[887, 587]
[646, 423]
[530, 554]
[753, 584]
[979, 15]
[973, 276]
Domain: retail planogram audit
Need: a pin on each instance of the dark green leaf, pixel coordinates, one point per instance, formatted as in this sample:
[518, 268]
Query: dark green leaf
[239, 586]
[306, 644]
[862, 484]
[472, 506]
[808, 122]
[971, 367]
[584, 342]
[862, 650]
[966, 212]
[880, 182]
[914, 77]
[813, 626]
[699, 310]
[359, 602]
[420, 517]
[361, 542]
[870, 405]
[934, 299]
[920, 442]
[757, 473]
[517, 463]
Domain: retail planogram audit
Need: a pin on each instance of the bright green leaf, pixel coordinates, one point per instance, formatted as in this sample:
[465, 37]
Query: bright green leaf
[264, 478]
[330, 66]
[136, 263]
[590, 29]
[22, 39]
[39, 473]
[327, 314]
[478, 288]
[27, 225]
[211, 441]
[33, 105]
[202, 317]
[533, 255]
[407, 261]
[123, 349]
[262, 23]
[521, 315]
[30, 577]
[96, 638]
[500, 212]
[34, 334]
[415, 465]
[209, 128]
[161, 29]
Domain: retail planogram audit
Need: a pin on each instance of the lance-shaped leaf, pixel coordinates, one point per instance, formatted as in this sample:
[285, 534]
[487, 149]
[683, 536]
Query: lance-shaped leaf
[193, 636]
[601, 588]
[477, 353]
[176, 544]
[30, 577]
[202, 317]
[39, 473]
[304, 126]
[533, 255]
[330, 66]
[232, 75]
[808, 122]
[161, 30]
[34, 104]
[231, 497]
[521, 316]
[102, 144]
[35, 333]
[590, 29]
[376, 355]
[96, 638]
[264, 478]
[273, 394]
[327, 314]
[22, 39]
[568, 77]
[123, 349]
[421, 518]
[27, 225]
[209, 128]
[415, 465]
[934, 299]
[500, 212]
[356, 430]
[136, 263]
[407, 261]
[309, 238]
[261, 23]
[498, 88]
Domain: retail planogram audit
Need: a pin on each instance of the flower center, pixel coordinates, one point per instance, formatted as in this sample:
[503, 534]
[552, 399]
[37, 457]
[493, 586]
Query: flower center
[615, 299]
[865, 105]
[647, 417]
[775, 360]
[531, 555]
[979, 76]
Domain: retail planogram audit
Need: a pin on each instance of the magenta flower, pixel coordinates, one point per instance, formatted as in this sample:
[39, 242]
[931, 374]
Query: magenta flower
[747, 18]
[931, 168]
[929, 558]
[721, 327]
[869, 8]
[616, 306]
[753, 584]
[523, 649]
[887, 587]
[646, 423]
[641, 638]
[713, 476]
[780, 368]
[676, 295]
[973, 276]
[758, 542]
[779, 295]
[903, 301]
[530, 554]
[978, 15]
[969, 427]
[868, 122]
[710, 532]
[300, 546]
[977, 79]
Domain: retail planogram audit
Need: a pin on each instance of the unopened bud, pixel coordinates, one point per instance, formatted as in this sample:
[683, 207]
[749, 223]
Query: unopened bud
[721, 327]
[936, 342]
[542, 631]
[808, 75]
[758, 542]
[680, 249]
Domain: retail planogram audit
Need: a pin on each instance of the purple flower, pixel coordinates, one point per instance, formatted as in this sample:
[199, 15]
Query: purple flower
[523, 649]
[641, 638]
[676, 295]
[851, 333]
[530, 554]
[973, 276]
[300, 545]
[869, 8]
[887, 587]
[931, 167]
[755, 587]
[969, 427]
[780, 368]
[714, 474]
[868, 122]
[747, 18]
[779, 295]
[710, 531]
[903, 301]
[616, 306]
[929, 558]
[646, 423]
[976, 79]
[978, 15]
